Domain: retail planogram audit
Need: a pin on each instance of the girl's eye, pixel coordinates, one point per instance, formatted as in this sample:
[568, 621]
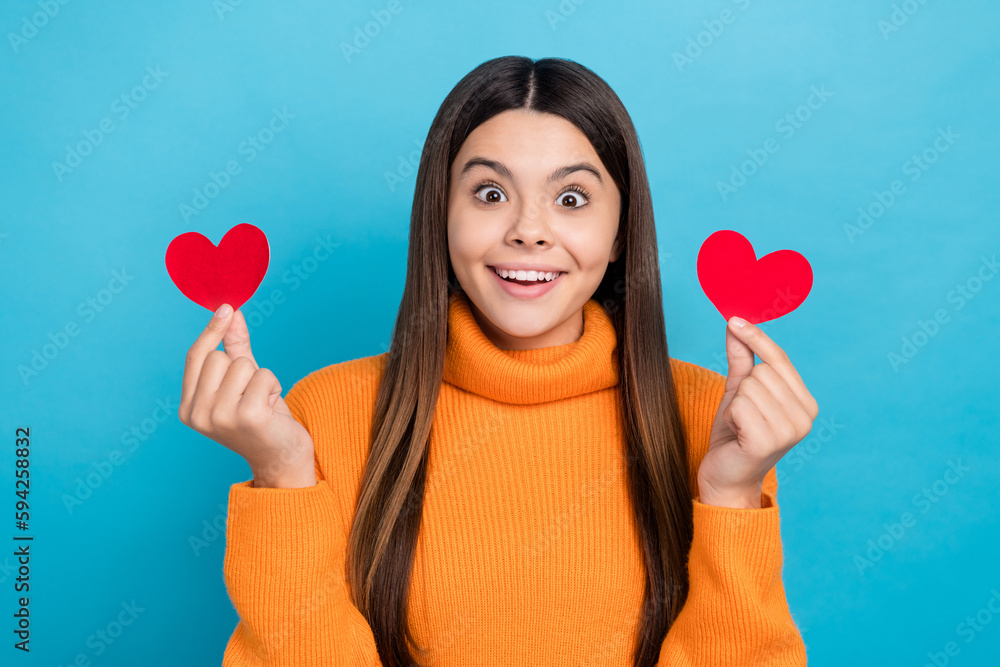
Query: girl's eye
[489, 188]
[572, 195]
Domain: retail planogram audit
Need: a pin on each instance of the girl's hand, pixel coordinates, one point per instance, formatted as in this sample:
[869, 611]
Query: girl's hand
[228, 398]
[764, 411]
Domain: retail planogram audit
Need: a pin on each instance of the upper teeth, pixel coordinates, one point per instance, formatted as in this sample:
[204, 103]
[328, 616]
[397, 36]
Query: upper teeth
[527, 275]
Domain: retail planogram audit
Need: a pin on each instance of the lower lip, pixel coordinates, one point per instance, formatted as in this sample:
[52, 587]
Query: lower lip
[525, 291]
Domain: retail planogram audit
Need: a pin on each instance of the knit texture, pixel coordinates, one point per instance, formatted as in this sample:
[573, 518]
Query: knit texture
[528, 553]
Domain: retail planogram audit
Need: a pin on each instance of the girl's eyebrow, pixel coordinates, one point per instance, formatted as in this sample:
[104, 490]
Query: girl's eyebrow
[501, 169]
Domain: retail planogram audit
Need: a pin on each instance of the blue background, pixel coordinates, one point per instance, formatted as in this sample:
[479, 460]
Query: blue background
[342, 172]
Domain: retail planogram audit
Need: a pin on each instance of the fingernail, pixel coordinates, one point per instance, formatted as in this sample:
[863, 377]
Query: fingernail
[223, 311]
[738, 322]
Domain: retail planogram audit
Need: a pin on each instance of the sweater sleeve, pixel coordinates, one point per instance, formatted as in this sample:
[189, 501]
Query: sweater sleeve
[285, 574]
[736, 611]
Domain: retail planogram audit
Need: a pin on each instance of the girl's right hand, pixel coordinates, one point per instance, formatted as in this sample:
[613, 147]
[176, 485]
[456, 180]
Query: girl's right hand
[227, 397]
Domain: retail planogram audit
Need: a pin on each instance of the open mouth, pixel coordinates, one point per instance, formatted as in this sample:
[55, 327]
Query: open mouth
[540, 278]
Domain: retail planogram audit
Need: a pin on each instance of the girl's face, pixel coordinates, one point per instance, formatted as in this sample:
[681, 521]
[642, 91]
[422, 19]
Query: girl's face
[528, 192]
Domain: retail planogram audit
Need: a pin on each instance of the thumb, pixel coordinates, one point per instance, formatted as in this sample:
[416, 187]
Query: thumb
[236, 342]
[741, 362]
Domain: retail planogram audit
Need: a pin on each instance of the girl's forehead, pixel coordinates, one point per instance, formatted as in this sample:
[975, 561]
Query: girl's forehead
[516, 122]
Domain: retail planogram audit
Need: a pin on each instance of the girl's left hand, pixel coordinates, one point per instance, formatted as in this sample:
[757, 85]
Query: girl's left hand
[764, 411]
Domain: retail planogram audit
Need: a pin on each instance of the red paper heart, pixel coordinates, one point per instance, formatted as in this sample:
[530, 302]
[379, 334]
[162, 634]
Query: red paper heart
[757, 290]
[211, 276]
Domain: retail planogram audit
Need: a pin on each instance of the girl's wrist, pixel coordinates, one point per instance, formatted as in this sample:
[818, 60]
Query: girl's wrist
[736, 501]
[294, 478]
[734, 498]
[286, 472]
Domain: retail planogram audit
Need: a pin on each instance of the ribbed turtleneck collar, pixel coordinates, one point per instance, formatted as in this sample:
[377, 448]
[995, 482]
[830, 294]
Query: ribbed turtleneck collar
[475, 364]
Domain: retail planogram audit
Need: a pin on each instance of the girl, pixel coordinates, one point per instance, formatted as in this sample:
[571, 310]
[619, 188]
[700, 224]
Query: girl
[525, 477]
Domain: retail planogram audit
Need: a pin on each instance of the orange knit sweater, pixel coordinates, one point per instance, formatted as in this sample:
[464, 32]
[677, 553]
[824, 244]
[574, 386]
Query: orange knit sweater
[527, 552]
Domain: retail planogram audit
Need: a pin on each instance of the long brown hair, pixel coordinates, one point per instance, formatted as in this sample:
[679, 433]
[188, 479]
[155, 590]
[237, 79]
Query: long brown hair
[390, 500]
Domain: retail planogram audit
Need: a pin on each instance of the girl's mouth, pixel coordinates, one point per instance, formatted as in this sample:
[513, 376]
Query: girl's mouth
[527, 288]
[541, 277]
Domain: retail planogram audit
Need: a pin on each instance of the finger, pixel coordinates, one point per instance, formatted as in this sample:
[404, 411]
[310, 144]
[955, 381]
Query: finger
[235, 381]
[747, 422]
[261, 387]
[770, 353]
[778, 430]
[209, 340]
[237, 339]
[740, 358]
[212, 372]
[790, 404]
